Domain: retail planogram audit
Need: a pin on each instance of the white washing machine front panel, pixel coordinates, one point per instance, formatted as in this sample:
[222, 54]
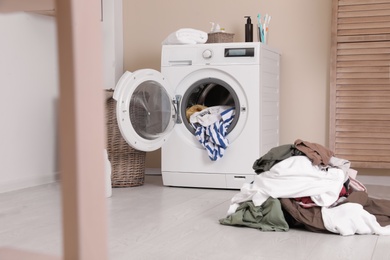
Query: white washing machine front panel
[184, 162]
[151, 110]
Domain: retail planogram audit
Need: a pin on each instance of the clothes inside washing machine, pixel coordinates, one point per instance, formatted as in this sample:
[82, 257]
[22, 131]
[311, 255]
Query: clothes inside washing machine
[208, 93]
[210, 109]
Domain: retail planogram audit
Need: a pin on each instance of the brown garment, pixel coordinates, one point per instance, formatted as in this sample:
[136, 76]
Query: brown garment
[310, 218]
[317, 153]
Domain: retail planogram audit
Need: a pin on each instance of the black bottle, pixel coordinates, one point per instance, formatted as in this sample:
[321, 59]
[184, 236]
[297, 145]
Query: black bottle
[248, 29]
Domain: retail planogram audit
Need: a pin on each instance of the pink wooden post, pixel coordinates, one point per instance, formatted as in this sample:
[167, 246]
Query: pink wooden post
[81, 129]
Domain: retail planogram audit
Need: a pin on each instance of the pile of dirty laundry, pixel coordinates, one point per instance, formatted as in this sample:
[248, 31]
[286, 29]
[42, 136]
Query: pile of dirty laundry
[305, 185]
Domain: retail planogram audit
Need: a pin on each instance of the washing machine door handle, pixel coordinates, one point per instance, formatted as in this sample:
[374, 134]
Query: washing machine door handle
[176, 105]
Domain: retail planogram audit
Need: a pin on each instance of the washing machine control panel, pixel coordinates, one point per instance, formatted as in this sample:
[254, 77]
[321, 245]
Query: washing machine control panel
[207, 54]
[211, 54]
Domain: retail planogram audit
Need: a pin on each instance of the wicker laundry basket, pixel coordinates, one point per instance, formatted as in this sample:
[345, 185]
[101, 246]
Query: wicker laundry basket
[127, 163]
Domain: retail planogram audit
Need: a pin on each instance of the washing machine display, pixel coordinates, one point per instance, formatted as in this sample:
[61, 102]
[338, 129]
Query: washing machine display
[152, 110]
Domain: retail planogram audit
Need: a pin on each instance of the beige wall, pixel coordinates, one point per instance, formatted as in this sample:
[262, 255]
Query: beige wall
[299, 29]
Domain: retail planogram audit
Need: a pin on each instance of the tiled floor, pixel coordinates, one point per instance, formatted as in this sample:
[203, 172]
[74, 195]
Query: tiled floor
[157, 222]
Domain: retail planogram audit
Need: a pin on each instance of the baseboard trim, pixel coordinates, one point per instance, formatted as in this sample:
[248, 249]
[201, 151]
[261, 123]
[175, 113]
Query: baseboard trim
[153, 171]
[374, 180]
[365, 179]
[14, 185]
[18, 185]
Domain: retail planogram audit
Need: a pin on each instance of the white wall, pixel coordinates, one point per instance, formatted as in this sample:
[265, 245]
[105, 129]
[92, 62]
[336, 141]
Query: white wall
[112, 28]
[30, 92]
[29, 96]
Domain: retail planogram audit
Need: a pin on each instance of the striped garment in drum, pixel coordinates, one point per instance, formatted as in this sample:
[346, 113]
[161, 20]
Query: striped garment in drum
[213, 137]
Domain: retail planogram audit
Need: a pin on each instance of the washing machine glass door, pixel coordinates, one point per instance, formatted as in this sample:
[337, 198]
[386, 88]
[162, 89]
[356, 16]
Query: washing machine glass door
[145, 109]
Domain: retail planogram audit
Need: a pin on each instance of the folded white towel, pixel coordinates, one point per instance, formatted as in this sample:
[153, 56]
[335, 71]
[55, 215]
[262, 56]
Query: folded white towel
[186, 36]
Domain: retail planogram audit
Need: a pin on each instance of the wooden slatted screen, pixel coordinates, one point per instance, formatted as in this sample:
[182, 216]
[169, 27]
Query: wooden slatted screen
[360, 83]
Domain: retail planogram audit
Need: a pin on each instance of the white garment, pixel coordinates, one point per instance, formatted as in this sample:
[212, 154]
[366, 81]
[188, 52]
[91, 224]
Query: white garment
[186, 36]
[294, 177]
[341, 164]
[350, 218]
[208, 116]
[350, 173]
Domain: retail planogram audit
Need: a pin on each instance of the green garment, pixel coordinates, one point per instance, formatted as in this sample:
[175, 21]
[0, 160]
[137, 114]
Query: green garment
[267, 217]
[275, 155]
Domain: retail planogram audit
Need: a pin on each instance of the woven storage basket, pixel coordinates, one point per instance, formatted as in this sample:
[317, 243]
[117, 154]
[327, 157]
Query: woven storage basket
[220, 37]
[127, 163]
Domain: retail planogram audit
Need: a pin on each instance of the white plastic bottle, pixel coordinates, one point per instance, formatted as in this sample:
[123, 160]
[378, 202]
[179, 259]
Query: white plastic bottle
[107, 170]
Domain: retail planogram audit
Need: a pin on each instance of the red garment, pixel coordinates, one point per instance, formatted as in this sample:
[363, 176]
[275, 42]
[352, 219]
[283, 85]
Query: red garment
[306, 202]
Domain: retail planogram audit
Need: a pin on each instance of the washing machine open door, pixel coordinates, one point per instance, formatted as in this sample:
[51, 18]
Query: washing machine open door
[145, 109]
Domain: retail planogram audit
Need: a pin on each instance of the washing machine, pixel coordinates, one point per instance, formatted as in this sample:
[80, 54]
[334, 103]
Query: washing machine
[151, 110]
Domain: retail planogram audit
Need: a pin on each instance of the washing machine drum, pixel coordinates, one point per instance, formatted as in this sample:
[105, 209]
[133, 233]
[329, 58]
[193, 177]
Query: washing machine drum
[208, 93]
